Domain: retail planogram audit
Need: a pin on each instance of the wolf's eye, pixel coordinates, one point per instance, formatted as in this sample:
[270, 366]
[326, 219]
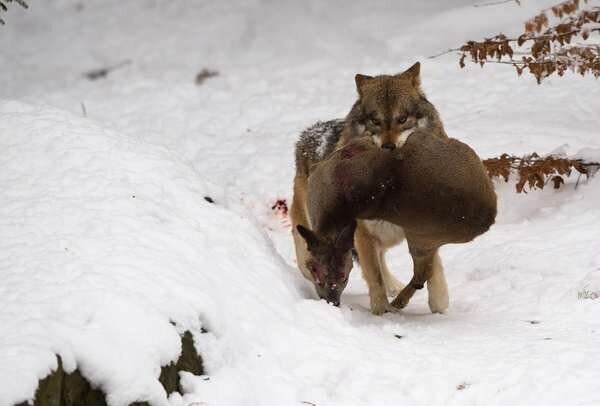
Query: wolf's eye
[401, 119]
[374, 121]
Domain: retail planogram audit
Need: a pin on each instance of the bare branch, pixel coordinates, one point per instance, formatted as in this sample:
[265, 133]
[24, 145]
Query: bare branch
[4, 7]
[444, 52]
[101, 73]
[495, 3]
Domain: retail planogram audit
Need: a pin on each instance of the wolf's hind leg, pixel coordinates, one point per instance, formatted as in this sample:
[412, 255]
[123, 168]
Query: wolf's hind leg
[437, 287]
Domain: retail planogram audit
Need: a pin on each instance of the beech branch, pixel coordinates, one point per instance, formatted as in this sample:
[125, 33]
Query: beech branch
[536, 172]
[545, 49]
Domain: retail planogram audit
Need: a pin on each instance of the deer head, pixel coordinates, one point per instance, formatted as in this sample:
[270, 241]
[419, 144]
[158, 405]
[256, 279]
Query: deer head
[329, 261]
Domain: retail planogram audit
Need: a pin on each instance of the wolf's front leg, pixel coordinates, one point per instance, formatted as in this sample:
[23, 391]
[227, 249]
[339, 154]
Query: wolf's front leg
[392, 285]
[437, 287]
[368, 256]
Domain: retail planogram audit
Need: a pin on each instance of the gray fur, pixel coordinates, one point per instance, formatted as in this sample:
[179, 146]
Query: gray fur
[317, 142]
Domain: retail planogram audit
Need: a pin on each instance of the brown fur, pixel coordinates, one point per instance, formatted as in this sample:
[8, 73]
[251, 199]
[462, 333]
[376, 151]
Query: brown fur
[388, 105]
[386, 97]
[399, 106]
[436, 189]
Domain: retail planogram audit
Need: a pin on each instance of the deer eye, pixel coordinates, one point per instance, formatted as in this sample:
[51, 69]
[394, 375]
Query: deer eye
[314, 270]
[401, 119]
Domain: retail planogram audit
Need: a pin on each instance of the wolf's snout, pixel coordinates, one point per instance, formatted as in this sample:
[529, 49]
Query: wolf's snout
[389, 145]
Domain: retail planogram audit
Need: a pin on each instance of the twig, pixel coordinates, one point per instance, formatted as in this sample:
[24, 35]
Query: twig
[444, 53]
[529, 38]
[495, 3]
[4, 7]
[555, 35]
[103, 72]
[3, 4]
[515, 62]
[83, 110]
[205, 74]
[534, 37]
[577, 183]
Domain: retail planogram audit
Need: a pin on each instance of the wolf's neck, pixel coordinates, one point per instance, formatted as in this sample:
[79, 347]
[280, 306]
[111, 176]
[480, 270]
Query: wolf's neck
[353, 126]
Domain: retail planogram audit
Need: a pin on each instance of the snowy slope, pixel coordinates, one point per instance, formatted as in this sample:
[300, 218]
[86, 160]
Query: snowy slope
[95, 274]
[105, 241]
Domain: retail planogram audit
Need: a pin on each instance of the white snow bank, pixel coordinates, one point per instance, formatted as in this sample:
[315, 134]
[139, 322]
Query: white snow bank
[104, 241]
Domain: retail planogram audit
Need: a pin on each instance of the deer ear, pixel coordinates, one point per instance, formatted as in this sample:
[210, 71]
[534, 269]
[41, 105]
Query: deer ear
[413, 73]
[361, 80]
[345, 239]
[312, 241]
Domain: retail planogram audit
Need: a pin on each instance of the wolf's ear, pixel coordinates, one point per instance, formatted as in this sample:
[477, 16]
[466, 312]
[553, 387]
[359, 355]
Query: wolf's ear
[361, 80]
[312, 241]
[413, 73]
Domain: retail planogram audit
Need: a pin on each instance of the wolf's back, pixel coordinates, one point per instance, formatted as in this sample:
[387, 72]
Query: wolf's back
[316, 143]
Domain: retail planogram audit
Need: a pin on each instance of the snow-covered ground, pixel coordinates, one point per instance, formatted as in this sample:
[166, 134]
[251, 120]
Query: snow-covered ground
[105, 235]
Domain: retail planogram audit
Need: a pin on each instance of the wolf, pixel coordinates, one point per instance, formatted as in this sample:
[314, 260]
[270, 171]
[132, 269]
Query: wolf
[388, 109]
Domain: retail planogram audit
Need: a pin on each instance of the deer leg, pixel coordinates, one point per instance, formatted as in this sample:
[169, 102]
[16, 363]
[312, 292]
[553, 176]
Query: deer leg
[368, 255]
[423, 262]
[437, 287]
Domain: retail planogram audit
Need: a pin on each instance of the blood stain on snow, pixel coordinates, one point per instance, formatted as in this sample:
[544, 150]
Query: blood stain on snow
[281, 207]
[462, 386]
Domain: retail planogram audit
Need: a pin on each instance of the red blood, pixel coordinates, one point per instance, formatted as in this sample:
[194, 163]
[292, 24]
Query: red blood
[280, 206]
[350, 151]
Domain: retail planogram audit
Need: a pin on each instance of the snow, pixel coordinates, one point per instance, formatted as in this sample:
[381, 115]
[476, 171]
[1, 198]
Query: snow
[106, 238]
[110, 239]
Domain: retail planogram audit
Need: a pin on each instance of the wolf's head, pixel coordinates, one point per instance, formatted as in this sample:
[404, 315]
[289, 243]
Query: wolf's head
[329, 261]
[391, 107]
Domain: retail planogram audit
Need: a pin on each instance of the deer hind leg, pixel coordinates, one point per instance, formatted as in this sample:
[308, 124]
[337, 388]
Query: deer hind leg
[369, 257]
[437, 287]
[423, 264]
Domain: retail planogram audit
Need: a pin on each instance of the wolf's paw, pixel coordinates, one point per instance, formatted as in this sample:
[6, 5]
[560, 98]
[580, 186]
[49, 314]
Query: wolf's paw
[438, 301]
[438, 295]
[381, 306]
